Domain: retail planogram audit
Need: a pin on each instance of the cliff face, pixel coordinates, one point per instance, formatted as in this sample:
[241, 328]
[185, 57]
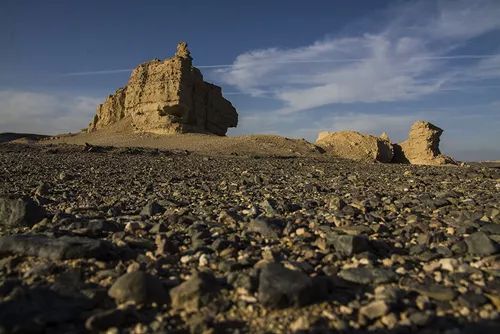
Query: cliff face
[168, 97]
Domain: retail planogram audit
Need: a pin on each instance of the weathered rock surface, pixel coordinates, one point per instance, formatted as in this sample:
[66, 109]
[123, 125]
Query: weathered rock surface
[194, 293]
[281, 287]
[422, 146]
[167, 97]
[356, 146]
[19, 211]
[140, 288]
[62, 248]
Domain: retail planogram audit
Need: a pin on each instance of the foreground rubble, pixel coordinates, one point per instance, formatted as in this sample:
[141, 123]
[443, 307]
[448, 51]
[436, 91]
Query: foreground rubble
[147, 241]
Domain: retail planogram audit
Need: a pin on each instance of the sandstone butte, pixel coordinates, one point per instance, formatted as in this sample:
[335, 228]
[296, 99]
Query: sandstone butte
[421, 147]
[167, 97]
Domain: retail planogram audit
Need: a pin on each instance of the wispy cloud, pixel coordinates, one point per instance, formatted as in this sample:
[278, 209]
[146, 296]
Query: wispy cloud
[407, 59]
[22, 111]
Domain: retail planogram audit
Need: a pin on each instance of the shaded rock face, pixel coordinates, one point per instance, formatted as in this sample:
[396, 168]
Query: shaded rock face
[167, 97]
[422, 146]
[356, 146]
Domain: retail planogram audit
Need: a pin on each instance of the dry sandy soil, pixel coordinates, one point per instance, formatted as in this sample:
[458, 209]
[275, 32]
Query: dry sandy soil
[266, 145]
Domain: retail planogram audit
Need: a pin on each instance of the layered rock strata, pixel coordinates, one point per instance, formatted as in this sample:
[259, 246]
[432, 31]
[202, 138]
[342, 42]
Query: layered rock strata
[166, 97]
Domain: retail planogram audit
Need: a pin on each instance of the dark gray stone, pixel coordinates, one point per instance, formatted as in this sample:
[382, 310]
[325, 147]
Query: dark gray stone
[28, 310]
[196, 292]
[62, 248]
[480, 244]
[152, 208]
[348, 245]
[138, 287]
[19, 211]
[367, 275]
[103, 320]
[267, 228]
[435, 291]
[280, 287]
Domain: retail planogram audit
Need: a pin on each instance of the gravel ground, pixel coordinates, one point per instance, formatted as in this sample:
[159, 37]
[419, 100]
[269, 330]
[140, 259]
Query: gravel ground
[151, 241]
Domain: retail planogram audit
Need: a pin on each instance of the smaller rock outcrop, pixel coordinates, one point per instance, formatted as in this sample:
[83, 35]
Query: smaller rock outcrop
[422, 146]
[356, 146]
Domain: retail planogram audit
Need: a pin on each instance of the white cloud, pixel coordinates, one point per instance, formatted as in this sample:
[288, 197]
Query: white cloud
[31, 112]
[403, 61]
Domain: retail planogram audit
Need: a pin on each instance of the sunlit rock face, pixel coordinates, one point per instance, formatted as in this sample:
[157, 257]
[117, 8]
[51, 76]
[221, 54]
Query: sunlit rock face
[422, 146]
[166, 97]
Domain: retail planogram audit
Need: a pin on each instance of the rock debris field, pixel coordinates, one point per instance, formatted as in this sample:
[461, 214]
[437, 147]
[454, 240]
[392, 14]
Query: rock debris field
[152, 241]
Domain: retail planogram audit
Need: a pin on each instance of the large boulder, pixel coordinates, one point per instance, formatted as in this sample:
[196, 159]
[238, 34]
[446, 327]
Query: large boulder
[166, 97]
[356, 146]
[422, 146]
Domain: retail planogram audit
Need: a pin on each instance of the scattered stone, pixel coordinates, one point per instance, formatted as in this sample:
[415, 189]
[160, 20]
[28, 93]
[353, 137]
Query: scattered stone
[347, 245]
[266, 227]
[367, 275]
[435, 291]
[281, 287]
[103, 320]
[375, 309]
[19, 211]
[480, 244]
[30, 309]
[56, 249]
[361, 237]
[195, 293]
[140, 288]
[152, 208]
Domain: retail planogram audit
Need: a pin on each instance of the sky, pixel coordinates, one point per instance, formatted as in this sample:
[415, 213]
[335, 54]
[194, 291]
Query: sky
[292, 68]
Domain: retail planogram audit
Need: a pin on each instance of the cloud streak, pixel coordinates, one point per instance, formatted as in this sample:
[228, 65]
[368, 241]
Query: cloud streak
[305, 61]
[405, 60]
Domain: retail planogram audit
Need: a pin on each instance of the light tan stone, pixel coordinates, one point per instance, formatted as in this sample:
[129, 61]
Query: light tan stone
[166, 97]
[422, 146]
[356, 146]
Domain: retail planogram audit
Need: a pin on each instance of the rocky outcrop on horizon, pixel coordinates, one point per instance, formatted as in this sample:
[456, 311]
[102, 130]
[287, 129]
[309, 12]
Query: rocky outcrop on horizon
[166, 97]
[356, 146]
[421, 147]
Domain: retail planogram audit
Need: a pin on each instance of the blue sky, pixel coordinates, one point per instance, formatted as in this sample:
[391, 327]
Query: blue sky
[292, 68]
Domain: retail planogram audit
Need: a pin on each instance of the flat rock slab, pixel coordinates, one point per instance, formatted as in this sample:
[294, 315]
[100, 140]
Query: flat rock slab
[367, 275]
[56, 249]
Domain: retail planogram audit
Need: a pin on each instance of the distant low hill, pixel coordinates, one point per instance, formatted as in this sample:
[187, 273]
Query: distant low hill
[11, 136]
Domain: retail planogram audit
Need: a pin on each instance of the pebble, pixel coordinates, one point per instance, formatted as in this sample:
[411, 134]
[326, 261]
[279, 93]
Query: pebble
[367, 275]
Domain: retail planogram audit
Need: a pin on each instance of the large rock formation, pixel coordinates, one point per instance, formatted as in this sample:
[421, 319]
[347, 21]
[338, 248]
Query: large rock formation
[355, 145]
[167, 97]
[422, 146]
